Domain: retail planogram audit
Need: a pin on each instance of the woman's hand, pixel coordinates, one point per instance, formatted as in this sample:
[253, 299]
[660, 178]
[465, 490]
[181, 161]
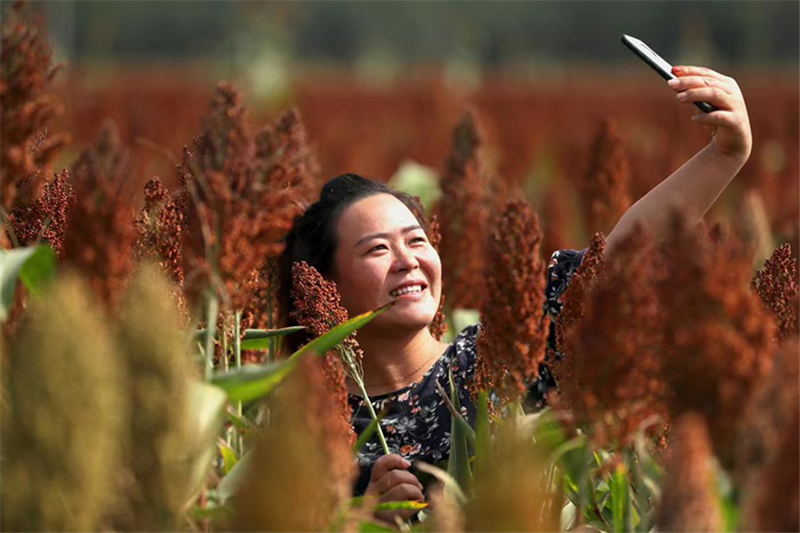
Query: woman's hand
[729, 125]
[392, 482]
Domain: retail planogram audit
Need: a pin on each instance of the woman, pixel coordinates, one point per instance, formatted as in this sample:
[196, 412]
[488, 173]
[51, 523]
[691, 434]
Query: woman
[368, 240]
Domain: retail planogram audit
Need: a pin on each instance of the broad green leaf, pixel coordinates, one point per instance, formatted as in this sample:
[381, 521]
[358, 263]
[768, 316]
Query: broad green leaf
[210, 513]
[458, 464]
[456, 415]
[228, 454]
[258, 339]
[401, 506]
[326, 342]
[252, 382]
[372, 527]
[241, 422]
[483, 444]
[33, 265]
[620, 500]
[369, 431]
[207, 413]
[230, 483]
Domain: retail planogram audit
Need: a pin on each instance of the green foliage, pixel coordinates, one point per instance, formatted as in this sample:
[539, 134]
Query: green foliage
[35, 266]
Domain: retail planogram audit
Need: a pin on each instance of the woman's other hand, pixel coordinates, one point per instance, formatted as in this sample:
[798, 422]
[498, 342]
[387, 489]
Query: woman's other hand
[392, 482]
[729, 125]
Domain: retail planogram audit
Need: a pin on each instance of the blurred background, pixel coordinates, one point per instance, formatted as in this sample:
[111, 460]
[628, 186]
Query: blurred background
[381, 85]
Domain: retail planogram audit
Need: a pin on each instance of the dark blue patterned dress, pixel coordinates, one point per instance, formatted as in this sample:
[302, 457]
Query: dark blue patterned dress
[417, 424]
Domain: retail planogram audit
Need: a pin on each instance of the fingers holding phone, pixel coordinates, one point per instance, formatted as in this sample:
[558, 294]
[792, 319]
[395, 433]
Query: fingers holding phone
[729, 125]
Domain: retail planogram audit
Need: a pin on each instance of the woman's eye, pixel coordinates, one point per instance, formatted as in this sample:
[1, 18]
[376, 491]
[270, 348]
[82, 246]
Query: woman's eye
[378, 247]
[418, 239]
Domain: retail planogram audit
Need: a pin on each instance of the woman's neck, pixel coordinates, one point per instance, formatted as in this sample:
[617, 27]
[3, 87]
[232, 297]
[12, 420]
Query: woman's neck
[393, 362]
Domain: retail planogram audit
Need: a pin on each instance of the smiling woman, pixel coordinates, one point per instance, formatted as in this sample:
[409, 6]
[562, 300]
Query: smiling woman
[374, 243]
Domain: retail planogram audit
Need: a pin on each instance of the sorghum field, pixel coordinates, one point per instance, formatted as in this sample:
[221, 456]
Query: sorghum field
[146, 379]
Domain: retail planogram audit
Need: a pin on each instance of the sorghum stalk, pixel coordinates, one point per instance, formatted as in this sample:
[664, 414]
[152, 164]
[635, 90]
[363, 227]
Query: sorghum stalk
[211, 325]
[353, 366]
[237, 350]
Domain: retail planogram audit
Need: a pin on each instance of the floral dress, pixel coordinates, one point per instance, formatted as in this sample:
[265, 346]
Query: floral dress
[417, 422]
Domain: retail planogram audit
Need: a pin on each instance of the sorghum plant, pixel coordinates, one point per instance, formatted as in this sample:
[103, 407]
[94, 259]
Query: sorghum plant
[777, 286]
[604, 187]
[101, 236]
[513, 332]
[26, 112]
[61, 433]
[718, 339]
[302, 466]
[689, 501]
[464, 216]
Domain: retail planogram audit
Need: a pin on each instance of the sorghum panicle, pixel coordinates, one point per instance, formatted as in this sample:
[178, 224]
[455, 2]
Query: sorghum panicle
[464, 216]
[690, 502]
[718, 338]
[316, 305]
[610, 371]
[26, 150]
[777, 286]
[45, 219]
[101, 236]
[243, 192]
[512, 340]
[62, 431]
[604, 187]
[302, 467]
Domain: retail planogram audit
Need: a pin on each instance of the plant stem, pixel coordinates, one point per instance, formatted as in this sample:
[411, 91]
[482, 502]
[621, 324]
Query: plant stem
[271, 354]
[237, 350]
[211, 326]
[372, 413]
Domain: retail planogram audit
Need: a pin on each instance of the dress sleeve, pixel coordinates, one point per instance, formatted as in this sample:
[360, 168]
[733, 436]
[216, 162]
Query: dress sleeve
[562, 266]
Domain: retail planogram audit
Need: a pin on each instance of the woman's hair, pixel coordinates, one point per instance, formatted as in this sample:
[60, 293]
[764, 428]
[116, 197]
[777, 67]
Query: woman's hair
[313, 235]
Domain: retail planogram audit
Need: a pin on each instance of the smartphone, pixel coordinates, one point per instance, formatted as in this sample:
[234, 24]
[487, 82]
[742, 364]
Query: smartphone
[658, 64]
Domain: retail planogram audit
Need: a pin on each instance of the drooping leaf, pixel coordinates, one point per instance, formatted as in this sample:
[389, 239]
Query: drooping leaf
[207, 412]
[458, 464]
[35, 266]
[230, 483]
[252, 382]
[401, 506]
[229, 458]
[258, 339]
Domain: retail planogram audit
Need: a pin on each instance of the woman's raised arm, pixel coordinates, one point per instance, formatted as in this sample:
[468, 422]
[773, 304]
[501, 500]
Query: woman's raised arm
[695, 186]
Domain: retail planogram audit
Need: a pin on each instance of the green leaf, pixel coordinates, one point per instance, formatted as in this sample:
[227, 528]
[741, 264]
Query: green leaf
[229, 458]
[483, 444]
[458, 464]
[258, 339]
[372, 527]
[35, 266]
[207, 414]
[212, 513]
[230, 483]
[369, 431]
[456, 415]
[401, 506]
[620, 500]
[326, 342]
[241, 422]
[252, 382]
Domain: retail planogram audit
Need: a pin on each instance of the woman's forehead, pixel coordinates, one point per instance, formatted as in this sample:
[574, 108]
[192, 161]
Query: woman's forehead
[377, 213]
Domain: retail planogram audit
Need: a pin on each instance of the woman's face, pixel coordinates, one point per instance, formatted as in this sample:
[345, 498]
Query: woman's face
[384, 255]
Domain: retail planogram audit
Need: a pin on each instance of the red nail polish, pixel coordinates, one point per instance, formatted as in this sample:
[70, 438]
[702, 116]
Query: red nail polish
[677, 70]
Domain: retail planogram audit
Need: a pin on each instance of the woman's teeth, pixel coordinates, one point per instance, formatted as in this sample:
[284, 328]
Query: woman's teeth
[406, 290]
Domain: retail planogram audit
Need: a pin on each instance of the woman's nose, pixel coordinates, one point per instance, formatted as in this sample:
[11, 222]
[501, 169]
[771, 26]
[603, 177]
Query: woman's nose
[405, 259]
